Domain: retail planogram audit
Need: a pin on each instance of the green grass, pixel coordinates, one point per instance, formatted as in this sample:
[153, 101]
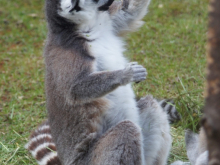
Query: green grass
[171, 45]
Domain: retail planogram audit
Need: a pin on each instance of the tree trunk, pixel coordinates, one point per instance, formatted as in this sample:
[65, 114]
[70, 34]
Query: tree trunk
[211, 121]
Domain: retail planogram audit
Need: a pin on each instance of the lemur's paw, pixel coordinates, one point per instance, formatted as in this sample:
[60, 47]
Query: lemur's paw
[147, 102]
[136, 72]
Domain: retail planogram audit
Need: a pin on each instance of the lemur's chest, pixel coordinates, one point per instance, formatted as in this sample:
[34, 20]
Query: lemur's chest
[108, 52]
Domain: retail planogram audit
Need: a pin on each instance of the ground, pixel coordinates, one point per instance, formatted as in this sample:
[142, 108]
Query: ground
[171, 45]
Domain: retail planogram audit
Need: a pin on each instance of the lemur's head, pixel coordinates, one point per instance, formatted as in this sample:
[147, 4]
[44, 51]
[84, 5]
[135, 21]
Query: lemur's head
[80, 11]
[74, 12]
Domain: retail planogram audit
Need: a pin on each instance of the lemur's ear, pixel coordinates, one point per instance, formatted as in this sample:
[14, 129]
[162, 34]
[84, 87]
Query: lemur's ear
[106, 6]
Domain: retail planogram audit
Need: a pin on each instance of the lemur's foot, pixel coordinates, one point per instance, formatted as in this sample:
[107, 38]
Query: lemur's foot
[168, 106]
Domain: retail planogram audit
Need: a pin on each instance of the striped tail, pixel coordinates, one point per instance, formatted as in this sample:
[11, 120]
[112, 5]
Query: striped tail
[42, 147]
[169, 107]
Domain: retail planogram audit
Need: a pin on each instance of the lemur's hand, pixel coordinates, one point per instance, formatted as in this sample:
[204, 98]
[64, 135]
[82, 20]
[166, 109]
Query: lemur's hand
[134, 73]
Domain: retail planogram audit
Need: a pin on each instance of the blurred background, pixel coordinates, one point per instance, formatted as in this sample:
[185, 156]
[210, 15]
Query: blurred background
[171, 45]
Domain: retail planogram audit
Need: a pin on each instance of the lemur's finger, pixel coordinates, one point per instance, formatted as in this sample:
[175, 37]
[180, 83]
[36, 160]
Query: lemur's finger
[142, 74]
[133, 63]
[136, 67]
[140, 70]
[139, 79]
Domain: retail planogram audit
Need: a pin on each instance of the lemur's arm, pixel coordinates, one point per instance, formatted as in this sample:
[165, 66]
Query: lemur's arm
[127, 15]
[98, 84]
[75, 79]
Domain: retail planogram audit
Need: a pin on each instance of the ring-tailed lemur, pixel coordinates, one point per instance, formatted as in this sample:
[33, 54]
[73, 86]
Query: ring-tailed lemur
[93, 116]
[196, 147]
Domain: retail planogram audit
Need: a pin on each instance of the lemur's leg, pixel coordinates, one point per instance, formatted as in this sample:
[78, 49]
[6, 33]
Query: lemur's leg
[41, 141]
[155, 130]
[121, 145]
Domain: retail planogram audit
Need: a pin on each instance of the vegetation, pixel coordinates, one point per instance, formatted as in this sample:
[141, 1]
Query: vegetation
[171, 45]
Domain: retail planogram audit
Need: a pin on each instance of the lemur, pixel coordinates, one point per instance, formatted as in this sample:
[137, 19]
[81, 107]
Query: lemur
[93, 117]
[196, 147]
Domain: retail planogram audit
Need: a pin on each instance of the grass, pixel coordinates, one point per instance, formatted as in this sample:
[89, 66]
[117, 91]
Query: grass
[171, 45]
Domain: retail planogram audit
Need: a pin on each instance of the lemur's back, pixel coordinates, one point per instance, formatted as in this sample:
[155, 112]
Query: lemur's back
[67, 119]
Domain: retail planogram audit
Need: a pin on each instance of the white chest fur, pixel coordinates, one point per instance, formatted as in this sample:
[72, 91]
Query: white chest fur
[108, 51]
[107, 48]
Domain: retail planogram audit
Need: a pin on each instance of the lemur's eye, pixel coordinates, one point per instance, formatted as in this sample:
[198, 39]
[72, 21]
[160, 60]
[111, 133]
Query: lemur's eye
[76, 7]
[106, 5]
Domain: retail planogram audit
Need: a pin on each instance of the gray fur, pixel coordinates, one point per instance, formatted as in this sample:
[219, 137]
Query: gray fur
[101, 83]
[155, 128]
[196, 147]
[120, 145]
[192, 142]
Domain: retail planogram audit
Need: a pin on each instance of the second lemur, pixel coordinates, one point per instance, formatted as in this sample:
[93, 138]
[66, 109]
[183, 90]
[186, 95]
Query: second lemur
[93, 116]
